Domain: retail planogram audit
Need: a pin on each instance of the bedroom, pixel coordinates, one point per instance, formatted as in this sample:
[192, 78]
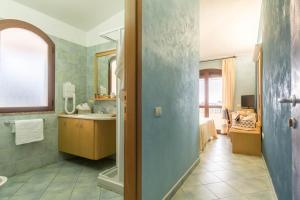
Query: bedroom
[212, 94]
[230, 105]
[229, 76]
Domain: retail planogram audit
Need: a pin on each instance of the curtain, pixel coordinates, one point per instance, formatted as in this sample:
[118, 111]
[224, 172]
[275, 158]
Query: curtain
[228, 80]
[228, 87]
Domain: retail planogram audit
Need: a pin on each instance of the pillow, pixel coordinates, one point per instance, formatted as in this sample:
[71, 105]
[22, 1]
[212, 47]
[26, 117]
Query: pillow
[238, 117]
[248, 121]
[247, 124]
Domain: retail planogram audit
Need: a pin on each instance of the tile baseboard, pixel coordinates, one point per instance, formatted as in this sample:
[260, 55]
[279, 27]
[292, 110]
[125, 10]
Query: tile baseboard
[179, 183]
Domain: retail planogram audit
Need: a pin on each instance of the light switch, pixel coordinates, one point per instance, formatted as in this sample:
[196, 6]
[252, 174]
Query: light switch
[157, 111]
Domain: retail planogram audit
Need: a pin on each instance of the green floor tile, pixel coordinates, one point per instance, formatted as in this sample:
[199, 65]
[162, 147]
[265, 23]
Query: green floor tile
[66, 180]
[29, 196]
[90, 193]
[9, 189]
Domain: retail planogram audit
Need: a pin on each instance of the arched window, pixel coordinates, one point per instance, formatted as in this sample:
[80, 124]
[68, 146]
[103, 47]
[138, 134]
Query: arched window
[27, 68]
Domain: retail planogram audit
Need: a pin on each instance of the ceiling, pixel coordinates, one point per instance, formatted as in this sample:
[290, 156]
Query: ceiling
[84, 15]
[228, 27]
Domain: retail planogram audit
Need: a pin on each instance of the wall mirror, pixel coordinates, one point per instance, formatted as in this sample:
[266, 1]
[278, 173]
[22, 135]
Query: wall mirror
[105, 81]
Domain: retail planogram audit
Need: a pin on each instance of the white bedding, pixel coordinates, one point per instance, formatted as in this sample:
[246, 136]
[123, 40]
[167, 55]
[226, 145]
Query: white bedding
[207, 130]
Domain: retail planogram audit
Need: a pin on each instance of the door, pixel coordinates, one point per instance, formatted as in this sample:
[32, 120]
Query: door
[86, 139]
[210, 93]
[68, 135]
[295, 65]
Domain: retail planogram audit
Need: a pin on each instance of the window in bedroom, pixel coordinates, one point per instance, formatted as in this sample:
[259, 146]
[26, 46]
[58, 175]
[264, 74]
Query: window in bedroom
[210, 93]
[26, 68]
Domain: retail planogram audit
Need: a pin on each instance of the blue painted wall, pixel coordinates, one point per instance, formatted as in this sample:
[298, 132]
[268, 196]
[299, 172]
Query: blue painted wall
[277, 83]
[169, 79]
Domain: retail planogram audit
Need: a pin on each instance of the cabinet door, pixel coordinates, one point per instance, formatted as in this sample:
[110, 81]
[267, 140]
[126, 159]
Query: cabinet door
[105, 138]
[68, 135]
[86, 140]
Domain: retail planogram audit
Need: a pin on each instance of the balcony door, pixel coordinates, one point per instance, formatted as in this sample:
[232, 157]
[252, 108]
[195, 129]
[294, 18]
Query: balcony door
[210, 95]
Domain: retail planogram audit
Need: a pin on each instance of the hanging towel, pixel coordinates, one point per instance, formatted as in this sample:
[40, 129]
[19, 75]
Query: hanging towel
[120, 71]
[28, 131]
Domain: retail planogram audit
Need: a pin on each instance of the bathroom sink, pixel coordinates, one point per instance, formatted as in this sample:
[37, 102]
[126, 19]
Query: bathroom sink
[92, 116]
[97, 115]
[2, 180]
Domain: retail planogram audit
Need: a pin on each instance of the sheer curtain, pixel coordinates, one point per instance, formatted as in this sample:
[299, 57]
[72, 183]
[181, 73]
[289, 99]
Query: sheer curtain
[228, 88]
[228, 79]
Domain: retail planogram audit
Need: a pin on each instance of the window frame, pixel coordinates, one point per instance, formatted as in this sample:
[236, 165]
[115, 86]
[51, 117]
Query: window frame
[206, 74]
[12, 23]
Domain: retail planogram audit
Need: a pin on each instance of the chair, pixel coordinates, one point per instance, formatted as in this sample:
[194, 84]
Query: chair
[227, 118]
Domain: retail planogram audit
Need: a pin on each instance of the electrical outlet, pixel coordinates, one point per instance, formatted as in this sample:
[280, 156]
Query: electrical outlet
[157, 111]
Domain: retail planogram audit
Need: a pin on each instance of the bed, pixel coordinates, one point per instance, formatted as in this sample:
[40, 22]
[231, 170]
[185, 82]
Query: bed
[207, 131]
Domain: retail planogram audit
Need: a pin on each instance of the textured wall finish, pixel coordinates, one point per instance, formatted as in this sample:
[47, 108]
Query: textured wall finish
[169, 79]
[70, 66]
[245, 82]
[277, 83]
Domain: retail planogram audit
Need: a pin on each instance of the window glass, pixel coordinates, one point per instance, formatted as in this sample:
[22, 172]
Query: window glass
[215, 91]
[201, 92]
[23, 69]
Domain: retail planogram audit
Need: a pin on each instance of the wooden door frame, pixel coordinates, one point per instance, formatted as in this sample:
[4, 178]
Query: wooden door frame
[258, 58]
[133, 82]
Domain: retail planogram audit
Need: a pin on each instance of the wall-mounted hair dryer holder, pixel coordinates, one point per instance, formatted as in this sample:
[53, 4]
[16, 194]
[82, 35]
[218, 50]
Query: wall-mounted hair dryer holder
[69, 92]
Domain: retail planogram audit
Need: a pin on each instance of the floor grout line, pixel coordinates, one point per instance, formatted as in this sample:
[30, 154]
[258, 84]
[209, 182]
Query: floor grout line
[22, 185]
[46, 175]
[217, 157]
[75, 182]
[52, 180]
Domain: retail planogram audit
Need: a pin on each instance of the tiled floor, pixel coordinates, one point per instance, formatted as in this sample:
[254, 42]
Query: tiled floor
[75, 179]
[226, 176]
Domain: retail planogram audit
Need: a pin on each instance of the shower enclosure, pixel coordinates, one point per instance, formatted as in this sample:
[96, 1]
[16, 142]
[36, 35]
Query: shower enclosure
[113, 178]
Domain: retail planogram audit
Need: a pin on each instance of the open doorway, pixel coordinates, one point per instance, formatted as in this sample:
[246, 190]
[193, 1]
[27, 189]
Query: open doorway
[229, 83]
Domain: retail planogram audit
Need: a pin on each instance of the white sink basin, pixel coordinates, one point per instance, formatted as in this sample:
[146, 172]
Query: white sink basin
[101, 115]
[2, 180]
[96, 115]
[92, 116]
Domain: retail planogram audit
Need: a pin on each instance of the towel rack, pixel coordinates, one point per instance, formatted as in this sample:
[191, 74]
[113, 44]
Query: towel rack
[12, 122]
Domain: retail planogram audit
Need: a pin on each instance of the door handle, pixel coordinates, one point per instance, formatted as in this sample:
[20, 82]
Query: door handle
[292, 122]
[292, 100]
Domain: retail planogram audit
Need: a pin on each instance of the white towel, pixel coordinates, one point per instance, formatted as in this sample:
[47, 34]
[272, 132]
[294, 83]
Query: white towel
[120, 71]
[28, 131]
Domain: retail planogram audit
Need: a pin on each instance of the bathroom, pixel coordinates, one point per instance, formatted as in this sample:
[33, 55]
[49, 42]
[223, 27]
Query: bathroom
[79, 91]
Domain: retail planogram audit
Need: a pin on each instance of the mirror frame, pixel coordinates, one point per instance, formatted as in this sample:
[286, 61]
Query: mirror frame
[96, 72]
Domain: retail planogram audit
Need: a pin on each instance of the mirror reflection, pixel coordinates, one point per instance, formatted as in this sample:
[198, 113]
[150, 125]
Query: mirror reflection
[105, 79]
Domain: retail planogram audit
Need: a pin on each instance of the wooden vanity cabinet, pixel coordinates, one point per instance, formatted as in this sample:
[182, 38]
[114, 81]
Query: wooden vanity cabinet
[87, 138]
